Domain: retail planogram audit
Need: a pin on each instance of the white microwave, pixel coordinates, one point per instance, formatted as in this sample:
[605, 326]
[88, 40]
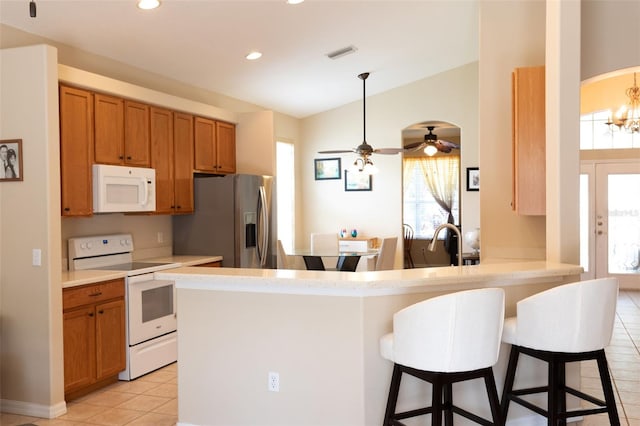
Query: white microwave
[123, 189]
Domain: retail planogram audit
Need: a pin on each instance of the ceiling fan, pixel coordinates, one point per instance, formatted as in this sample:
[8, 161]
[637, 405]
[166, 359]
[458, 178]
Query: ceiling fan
[364, 150]
[432, 144]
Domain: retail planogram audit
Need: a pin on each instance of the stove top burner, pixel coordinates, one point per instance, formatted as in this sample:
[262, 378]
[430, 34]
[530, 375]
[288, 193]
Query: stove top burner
[131, 266]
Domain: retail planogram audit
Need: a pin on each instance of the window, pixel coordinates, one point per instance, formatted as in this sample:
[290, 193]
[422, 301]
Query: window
[421, 209]
[285, 193]
[596, 134]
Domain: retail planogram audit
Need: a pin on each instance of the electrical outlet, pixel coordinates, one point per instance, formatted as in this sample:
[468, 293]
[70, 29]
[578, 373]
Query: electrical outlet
[274, 382]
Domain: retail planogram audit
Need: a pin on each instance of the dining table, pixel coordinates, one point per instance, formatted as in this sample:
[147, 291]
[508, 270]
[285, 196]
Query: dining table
[347, 261]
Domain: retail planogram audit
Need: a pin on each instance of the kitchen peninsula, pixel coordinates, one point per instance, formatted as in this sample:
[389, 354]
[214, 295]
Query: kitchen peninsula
[319, 332]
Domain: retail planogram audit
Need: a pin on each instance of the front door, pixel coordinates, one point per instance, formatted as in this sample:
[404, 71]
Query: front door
[610, 221]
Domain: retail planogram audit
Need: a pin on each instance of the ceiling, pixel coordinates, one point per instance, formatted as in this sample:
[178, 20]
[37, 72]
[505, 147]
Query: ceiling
[204, 43]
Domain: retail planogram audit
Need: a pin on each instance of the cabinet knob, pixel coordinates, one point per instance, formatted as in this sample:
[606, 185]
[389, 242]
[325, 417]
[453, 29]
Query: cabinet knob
[178, 207]
[90, 314]
[101, 312]
[66, 209]
[99, 293]
[128, 157]
[120, 157]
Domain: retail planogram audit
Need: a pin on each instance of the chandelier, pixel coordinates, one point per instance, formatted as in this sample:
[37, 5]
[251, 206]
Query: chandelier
[628, 116]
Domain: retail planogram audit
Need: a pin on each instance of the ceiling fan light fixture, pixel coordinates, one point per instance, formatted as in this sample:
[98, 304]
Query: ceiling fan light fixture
[364, 166]
[148, 4]
[430, 150]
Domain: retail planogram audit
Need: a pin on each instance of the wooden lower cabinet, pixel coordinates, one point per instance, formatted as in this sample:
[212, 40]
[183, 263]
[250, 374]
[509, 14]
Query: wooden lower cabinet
[94, 336]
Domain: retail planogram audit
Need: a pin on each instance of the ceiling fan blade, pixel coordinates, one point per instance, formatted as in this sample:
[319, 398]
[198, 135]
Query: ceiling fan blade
[388, 151]
[414, 146]
[337, 151]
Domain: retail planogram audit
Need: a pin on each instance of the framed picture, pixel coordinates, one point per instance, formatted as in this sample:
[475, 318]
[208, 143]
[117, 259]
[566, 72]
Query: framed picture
[473, 179]
[357, 181]
[10, 160]
[327, 168]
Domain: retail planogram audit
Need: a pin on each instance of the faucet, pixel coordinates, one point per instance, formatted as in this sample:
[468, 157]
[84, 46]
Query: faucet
[432, 244]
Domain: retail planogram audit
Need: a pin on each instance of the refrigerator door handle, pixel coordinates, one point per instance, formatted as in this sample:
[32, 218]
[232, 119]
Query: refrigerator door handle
[263, 227]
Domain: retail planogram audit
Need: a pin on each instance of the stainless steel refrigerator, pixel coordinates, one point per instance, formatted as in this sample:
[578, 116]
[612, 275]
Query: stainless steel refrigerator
[234, 217]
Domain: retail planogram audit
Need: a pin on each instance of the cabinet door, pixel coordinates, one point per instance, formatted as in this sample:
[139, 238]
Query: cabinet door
[204, 144]
[76, 151]
[110, 338]
[79, 348]
[183, 162]
[226, 147]
[162, 158]
[109, 129]
[529, 147]
[137, 146]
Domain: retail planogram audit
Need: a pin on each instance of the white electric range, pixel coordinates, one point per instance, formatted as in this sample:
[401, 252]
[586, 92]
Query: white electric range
[151, 316]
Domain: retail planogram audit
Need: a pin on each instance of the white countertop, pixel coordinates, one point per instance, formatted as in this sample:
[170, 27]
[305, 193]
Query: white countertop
[90, 276]
[367, 283]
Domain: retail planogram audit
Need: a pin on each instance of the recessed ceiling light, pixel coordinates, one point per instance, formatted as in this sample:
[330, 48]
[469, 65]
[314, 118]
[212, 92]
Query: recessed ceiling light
[252, 56]
[148, 4]
[294, 1]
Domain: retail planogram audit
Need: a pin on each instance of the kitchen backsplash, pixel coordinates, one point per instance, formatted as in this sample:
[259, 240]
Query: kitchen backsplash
[152, 235]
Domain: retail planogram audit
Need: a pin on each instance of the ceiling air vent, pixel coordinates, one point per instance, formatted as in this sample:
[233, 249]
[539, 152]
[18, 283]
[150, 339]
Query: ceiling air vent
[341, 52]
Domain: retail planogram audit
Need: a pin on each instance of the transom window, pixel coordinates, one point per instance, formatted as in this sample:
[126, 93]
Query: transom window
[596, 134]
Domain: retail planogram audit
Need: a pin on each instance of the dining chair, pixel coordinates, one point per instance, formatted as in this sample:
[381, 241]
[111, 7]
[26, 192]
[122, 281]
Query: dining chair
[327, 243]
[408, 243]
[283, 258]
[387, 254]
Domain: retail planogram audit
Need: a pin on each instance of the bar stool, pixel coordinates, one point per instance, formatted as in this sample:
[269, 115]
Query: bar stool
[569, 323]
[445, 340]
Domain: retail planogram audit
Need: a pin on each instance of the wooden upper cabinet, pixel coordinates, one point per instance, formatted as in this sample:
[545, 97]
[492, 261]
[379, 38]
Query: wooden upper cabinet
[204, 132]
[109, 129]
[183, 162]
[76, 151]
[215, 146]
[137, 145]
[226, 147]
[162, 160]
[529, 146]
[121, 132]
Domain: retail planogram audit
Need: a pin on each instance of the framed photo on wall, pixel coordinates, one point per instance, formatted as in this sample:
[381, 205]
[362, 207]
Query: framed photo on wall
[327, 168]
[10, 160]
[357, 181]
[473, 179]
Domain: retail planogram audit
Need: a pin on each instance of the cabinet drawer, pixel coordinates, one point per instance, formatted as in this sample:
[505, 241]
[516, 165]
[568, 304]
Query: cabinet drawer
[92, 293]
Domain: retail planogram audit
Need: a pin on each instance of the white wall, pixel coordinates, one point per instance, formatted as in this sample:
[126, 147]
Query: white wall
[451, 96]
[512, 34]
[610, 36]
[31, 301]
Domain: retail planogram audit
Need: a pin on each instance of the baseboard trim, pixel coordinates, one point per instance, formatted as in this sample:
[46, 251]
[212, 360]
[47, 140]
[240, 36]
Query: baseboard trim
[31, 409]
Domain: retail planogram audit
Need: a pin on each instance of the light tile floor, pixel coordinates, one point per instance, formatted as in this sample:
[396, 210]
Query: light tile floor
[152, 399]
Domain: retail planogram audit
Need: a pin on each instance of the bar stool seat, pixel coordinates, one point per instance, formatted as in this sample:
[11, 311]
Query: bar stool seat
[445, 340]
[569, 323]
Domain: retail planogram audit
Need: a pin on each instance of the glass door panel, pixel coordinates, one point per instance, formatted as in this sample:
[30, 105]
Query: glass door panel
[614, 223]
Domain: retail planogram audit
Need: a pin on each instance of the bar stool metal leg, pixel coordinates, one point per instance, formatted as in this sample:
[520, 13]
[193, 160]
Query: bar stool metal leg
[392, 400]
[607, 389]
